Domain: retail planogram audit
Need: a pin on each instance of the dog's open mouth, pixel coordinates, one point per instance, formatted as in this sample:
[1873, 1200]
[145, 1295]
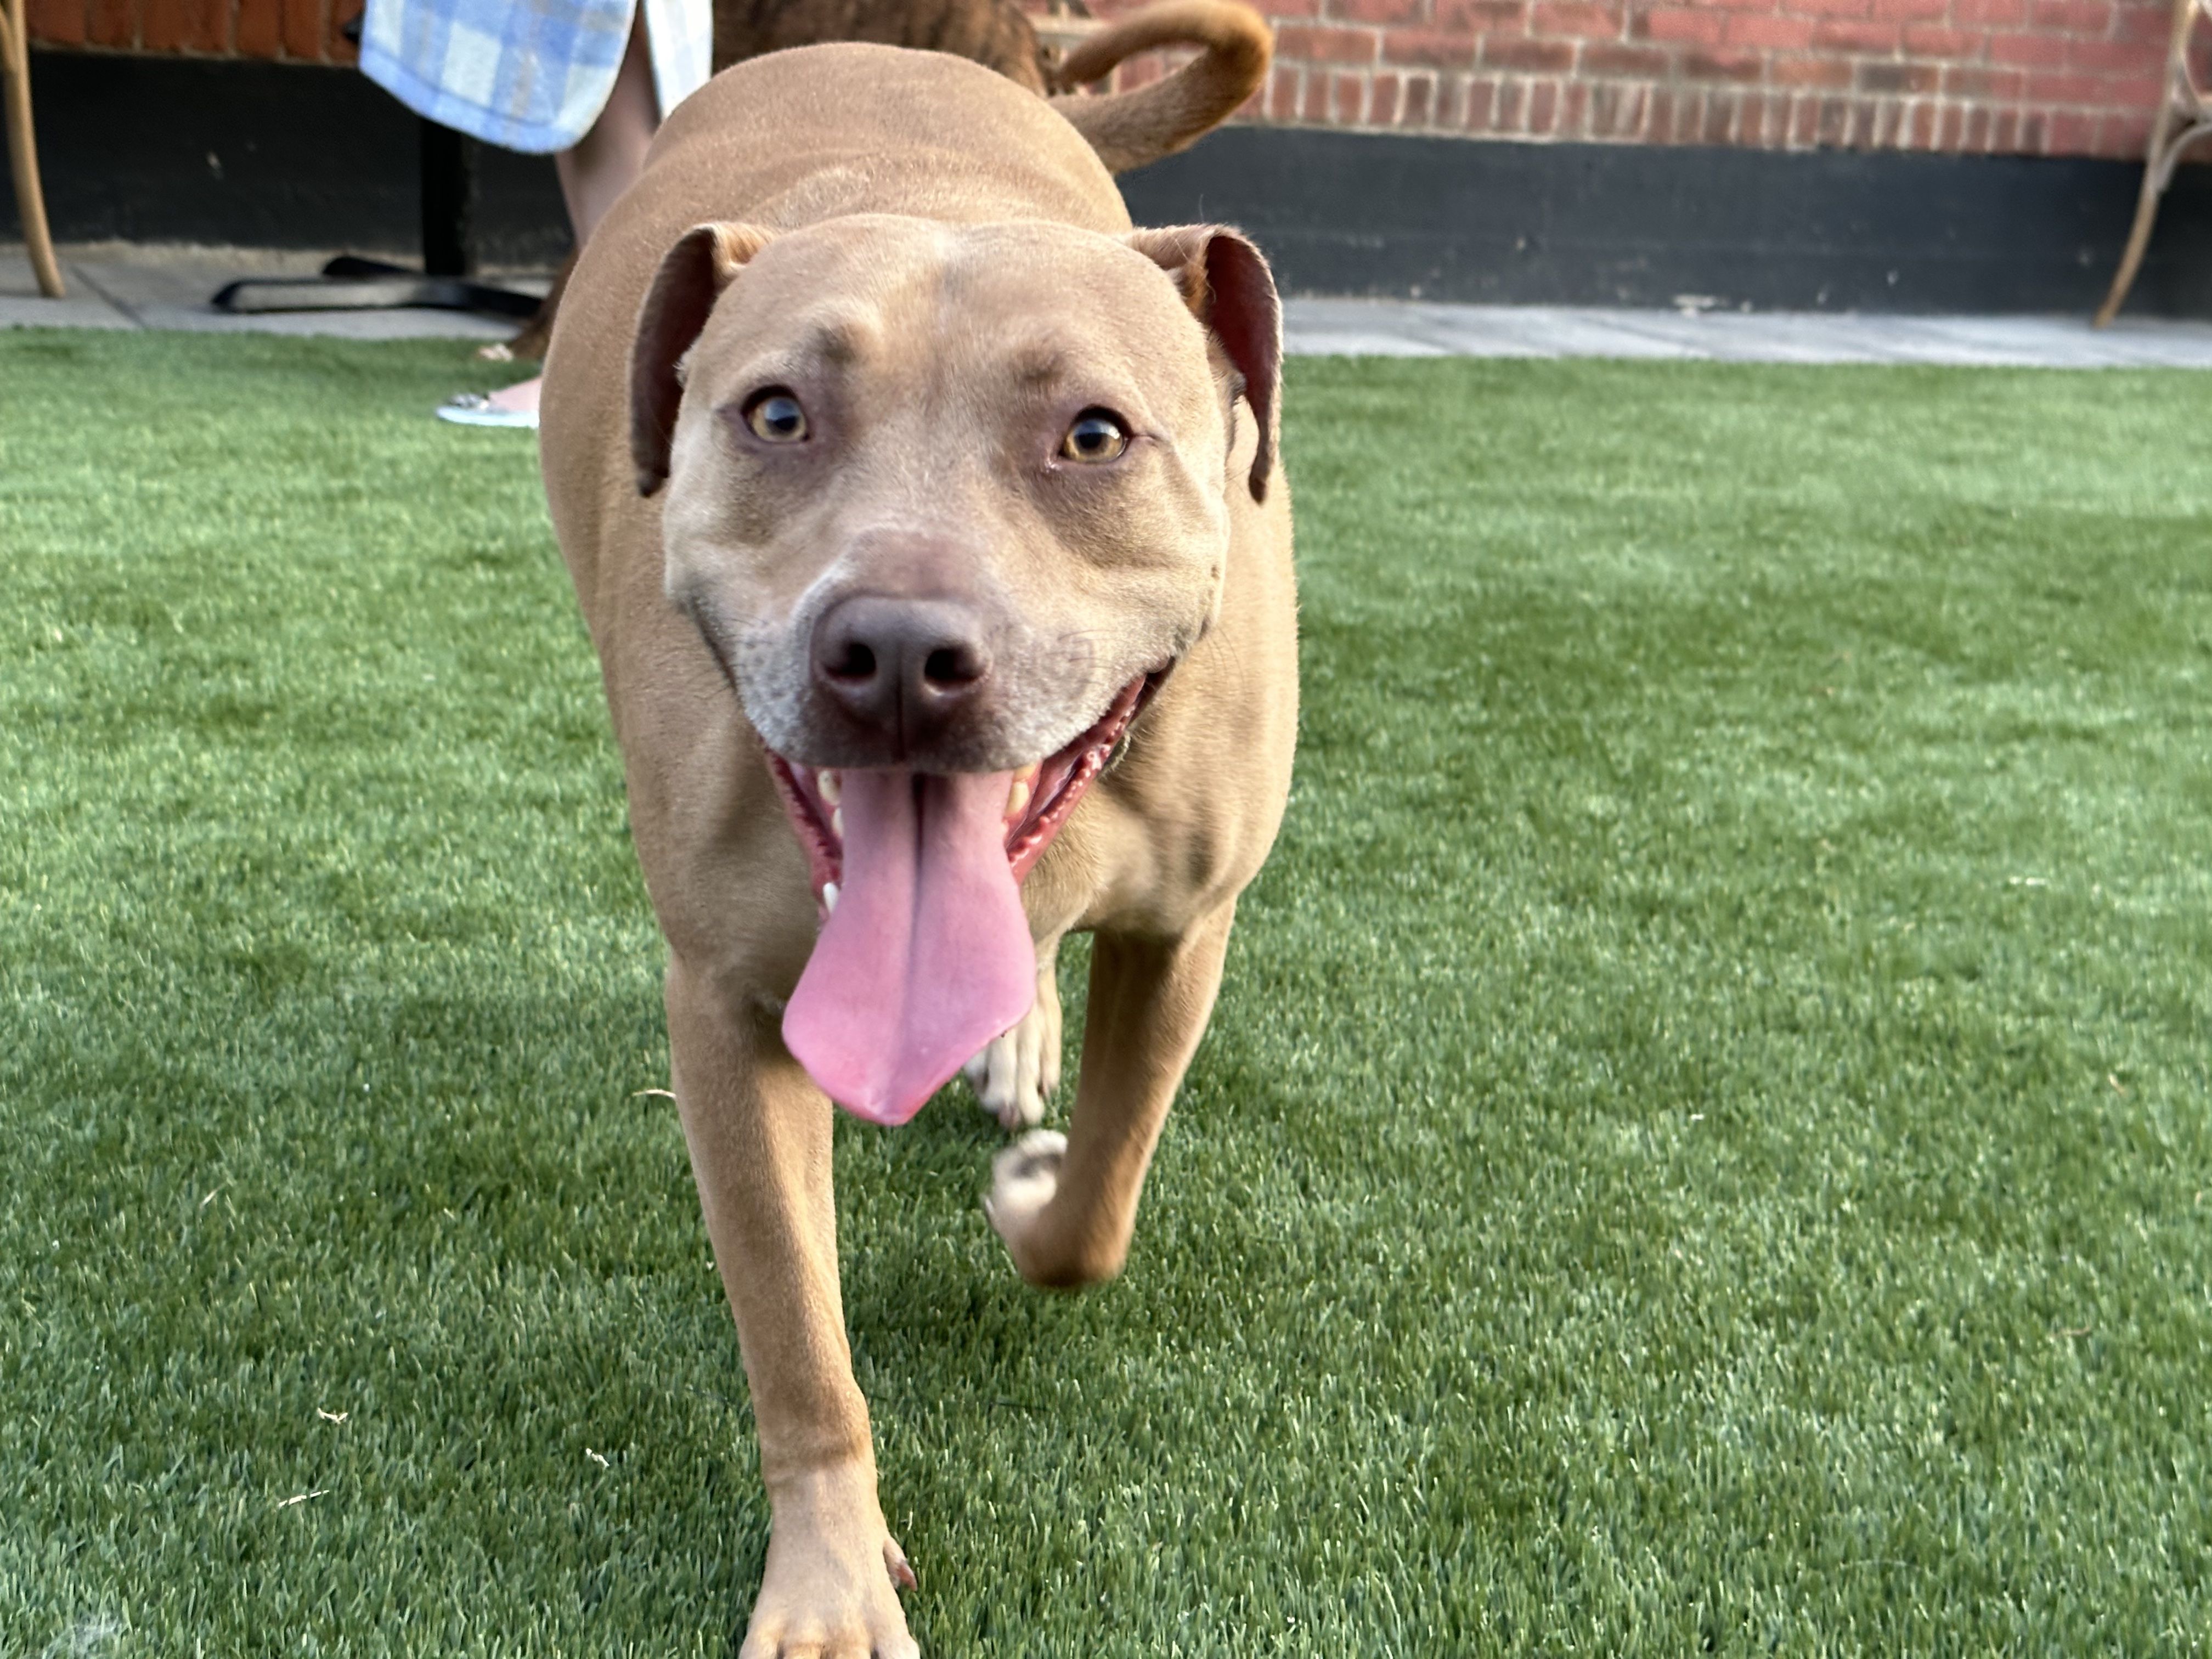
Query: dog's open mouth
[925, 954]
[1039, 797]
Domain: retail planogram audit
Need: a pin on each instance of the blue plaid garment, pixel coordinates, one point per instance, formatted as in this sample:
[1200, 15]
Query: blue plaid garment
[527, 75]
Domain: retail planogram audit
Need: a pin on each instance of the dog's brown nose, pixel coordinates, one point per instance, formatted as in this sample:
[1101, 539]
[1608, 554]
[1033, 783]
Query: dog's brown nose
[901, 669]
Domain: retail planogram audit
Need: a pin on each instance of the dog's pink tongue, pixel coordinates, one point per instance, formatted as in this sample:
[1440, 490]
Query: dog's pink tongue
[927, 956]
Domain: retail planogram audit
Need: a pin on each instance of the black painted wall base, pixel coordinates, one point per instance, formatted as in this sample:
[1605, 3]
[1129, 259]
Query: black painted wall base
[174, 149]
[1619, 224]
[256, 154]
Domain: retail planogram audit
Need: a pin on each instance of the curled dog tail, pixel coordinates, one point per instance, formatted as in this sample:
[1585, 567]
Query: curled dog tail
[1128, 128]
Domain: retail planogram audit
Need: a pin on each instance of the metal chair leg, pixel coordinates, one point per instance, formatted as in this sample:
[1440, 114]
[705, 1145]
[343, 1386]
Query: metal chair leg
[22, 149]
[2181, 106]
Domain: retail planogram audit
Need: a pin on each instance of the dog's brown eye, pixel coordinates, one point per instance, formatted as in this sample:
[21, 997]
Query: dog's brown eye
[1096, 435]
[776, 417]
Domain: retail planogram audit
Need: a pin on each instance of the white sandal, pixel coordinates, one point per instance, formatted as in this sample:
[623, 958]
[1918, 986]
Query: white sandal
[474, 408]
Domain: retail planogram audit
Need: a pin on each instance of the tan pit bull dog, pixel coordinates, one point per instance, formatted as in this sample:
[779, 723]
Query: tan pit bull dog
[928, 522]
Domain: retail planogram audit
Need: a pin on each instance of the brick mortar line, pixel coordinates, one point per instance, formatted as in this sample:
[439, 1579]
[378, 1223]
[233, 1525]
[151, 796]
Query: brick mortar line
[1422, 101]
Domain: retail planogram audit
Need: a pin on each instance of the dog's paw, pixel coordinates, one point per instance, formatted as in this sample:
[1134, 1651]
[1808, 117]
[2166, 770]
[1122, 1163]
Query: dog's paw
[1016, 1073]
[837, 1594]
[1023, 1178]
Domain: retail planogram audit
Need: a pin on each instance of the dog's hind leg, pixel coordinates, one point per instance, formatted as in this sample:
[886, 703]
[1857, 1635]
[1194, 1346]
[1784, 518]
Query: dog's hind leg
[1066, 1207]
[1016, 1073]
[758, 1131]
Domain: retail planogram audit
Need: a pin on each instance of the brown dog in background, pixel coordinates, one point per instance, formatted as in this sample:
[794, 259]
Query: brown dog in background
[928, 520]
[998, 35]
[995, 33]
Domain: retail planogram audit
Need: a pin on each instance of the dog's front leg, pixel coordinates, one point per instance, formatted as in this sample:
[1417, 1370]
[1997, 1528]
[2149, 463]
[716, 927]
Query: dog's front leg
[758, 1132]
[1066, 1207]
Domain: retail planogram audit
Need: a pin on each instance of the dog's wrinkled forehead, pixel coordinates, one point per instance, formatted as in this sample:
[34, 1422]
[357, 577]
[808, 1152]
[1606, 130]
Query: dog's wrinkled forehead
[1017, 304]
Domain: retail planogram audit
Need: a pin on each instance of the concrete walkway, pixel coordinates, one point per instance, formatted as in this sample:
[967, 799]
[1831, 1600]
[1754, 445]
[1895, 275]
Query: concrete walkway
[114, 285]
[1401, 329]
[120, 285]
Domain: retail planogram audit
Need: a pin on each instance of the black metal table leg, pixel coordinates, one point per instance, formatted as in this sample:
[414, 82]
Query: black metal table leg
[446, 280]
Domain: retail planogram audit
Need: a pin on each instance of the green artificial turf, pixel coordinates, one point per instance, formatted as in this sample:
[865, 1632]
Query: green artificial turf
[1703, 1147]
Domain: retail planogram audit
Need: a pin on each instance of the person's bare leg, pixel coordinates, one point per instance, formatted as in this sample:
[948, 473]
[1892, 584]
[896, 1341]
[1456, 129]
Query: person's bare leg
[609, 157]
[601, 165]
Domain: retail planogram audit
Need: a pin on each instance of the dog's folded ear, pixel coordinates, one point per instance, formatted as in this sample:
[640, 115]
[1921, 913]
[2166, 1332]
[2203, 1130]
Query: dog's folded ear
[691, 277]
[1229, 289]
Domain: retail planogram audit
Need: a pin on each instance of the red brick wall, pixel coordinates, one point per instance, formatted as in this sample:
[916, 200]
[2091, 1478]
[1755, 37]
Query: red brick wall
[2030, 77]
[2056, 77]
[304, 31]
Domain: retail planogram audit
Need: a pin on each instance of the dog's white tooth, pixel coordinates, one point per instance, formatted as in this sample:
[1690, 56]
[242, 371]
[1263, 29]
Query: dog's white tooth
[1029, 773]
[837, 822]
[1017, 798]
[827, 786]
[830, 896]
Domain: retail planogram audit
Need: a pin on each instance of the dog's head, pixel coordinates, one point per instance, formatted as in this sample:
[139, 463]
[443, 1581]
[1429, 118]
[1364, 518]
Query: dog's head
[947, 502]
[936, 494]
